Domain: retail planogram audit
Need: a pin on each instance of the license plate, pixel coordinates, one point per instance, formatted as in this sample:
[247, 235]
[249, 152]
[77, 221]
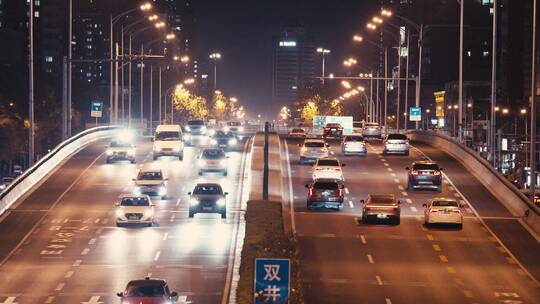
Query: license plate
[133, 217]
[382, 216]
[207, 208]
[426, 173]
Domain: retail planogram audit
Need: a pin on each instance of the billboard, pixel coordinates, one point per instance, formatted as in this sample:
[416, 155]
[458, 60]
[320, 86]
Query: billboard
[345, 121]
[439, 103]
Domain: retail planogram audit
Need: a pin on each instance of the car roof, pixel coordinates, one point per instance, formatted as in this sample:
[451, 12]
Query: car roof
[391, 196]
[328, 158]
[147, 281]
[424, 162]
[149, 169]
[443, 199]
[162, 128]
[208, 185]
[317, 140]
[327, 180]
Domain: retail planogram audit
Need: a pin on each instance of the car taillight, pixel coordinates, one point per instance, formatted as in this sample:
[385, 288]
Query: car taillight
[310, 191]
[437, 173]
[340, 192]
[414, 172]
[456, 210]
[433, 210]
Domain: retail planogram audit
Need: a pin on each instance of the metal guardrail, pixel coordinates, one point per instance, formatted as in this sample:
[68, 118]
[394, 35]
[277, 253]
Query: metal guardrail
[47, 163]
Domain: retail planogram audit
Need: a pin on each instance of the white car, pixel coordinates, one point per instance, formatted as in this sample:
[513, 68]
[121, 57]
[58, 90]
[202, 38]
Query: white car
[134, 209]
[353, 144]
[168, 141]
[151, 182]
[372, 130]
[312, 149]
[235, 128]
[396, 143]
[443, 210]
[119, 150]
[212, 160]
[328, 168]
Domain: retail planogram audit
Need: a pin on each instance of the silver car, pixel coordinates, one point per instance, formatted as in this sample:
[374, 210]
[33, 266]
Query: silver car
[381, 207]
[396, 143]
[353, 145]
[372, 130]
[212, 160]
[312, 149]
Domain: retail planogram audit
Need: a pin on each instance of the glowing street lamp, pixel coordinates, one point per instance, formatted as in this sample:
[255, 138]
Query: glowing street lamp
[215, 56]
[357, 38]
[371, 26]
[346, 84]
[323, 53]
[170, 36]
[386, 13]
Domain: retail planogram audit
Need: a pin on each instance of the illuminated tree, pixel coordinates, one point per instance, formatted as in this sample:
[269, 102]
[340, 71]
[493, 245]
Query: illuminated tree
[310, 110]
[188, 105]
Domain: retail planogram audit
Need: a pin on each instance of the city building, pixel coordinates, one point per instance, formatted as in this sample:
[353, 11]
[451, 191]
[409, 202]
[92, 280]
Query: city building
[293, 65]
[91, 41]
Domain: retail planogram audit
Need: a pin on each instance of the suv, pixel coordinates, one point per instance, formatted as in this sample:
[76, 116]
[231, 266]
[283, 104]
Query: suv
[328, 167]
[372, 130]
[381, 207]
[396, 143]
[151, 182]
[195, 132]
[325, 193]
[148, 291]
[119, 150]
[333, 130]
[168, 141]
[312, 149]
[212, 160]
[353, 144]
[424, 174]
[208, 198]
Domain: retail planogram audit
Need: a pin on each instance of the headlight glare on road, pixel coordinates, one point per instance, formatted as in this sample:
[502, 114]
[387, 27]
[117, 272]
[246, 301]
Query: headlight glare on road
[232, 142]
[119, 213]
[194, 202]
[221, 202]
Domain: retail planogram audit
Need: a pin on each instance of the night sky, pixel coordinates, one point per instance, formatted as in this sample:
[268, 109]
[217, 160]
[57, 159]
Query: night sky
[242, 31]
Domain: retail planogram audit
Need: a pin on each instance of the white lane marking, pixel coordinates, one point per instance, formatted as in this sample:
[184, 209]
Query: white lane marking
[408, 200]
[178, 202]
[351, 204]
[457, 195]
[93, 300]
[347, 190]
[60, 286]
[291, 195]
[69, 274]
[485, 225]
[49, 300]
[370, 259]
[10, 300]
[92, 241]
[389, 169]
[97, 221]
[396, 180]
[404, 193]
[85, 251]
[165, 236]
[393, 174]
[363, 239]
[172, 218]
[388, 301]
[400, 187]
[156, 257]
[379, 280]
[77, 263]
[413, 209]
[386, 164]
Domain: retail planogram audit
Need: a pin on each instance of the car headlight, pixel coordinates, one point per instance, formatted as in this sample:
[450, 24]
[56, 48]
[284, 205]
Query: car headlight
[213, 142]
[131, 152]
[226, 129]
[119, 213]
[2, 187]
[233, 141]
[137, 191]
[162, 190]
[109, 152]
[241, 129]
[194, 202]
[211, 132]
[221, 202]
[149, 213]
[188, 128]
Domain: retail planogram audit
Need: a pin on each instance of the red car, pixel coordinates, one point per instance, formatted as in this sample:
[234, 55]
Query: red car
[297, 133]
[147, 291]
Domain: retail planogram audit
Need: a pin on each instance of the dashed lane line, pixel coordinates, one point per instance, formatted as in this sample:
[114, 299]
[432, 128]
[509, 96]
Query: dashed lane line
[347, 190]
[92, 241]
[379, 280]
[436, 247]
[413, 209]
[370, 259]
[165, 236]
[396, 180]
[85, 251]
[77, 263]
[351, 204]
[400, 187]
[69, 274]
[60, 286]
[156, 257]
[443, 258]
[363, 239]
[408, 200]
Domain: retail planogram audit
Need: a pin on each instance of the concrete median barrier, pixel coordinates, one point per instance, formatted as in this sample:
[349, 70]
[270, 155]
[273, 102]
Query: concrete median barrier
[46, 165]
[274, 168]
[515, 201]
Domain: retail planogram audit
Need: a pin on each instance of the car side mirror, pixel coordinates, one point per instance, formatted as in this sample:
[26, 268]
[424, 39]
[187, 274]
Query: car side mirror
[189, 193]
[226, 193]
[343, 165]
[300, 145]
[120, 294]
[424, 205]
[307, 186]
[407, 168]
[362, 202]
[399, 202]
[440, 169]
[174, 295]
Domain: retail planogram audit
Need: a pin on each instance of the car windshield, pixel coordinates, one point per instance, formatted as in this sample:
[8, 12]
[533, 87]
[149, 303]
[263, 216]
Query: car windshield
[150, 175]
[382, 199]
[150, 290]
[328, 162]
[135, 201]
[234, 124]
[434, 167]
[196, 123]
[298, 131]
[397, 136]
[118, 144]
[354, 138]
[326, 186]
[313, 144]
[213, 154]
[208, 189]
[445, 204]
[168, 135]
[371, 125]
[222, 134]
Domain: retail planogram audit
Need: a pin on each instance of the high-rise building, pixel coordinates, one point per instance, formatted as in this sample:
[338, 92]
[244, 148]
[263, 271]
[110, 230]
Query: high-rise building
[293, 65]
[91, 41]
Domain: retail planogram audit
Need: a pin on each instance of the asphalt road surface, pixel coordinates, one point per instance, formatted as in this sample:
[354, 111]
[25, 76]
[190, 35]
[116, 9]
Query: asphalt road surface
[60, 244]
[493, 259]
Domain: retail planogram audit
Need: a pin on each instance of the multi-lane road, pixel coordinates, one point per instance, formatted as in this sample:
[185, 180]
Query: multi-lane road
[346, 261]
[60, 244]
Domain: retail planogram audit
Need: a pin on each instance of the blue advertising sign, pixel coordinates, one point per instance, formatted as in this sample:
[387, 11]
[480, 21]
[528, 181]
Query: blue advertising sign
[415, 114]
[272, 281]
[96, 109]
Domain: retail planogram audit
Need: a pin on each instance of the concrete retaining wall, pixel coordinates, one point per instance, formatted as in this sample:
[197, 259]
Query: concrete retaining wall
[515, 201]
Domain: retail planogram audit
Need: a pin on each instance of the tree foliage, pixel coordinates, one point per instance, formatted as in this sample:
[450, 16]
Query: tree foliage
[188, 105]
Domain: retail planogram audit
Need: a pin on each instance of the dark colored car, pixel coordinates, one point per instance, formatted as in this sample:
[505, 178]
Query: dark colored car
[226, 141]
[424, 175]
[147, 291]
[381, 207]
[208, 198]
[333, 130]
[325, 193]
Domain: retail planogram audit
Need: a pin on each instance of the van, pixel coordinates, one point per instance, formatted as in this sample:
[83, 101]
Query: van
[168, 141]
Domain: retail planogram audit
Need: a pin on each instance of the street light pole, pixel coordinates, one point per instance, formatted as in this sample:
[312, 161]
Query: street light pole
[215, 56]
[323, 53]
[70, 57]
[494, 159]
[141, 98]
[406, 84]
[31, 87]
[460, 81]
[534, 126]
[385, 91]
[419, 76]
[129, 83]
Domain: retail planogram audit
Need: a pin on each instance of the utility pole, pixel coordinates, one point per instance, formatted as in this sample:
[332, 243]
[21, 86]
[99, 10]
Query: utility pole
[151, 98]
[460, 81]
[406, 117]
[111, 106]
[122, 82]
[398, 112]
[70, 57]
[116, 85]
[64, 98]
[129, 83]
[31, 87]
[141, 98]
[159, 96]
[534, 126]
[385, 91]
[419, 76]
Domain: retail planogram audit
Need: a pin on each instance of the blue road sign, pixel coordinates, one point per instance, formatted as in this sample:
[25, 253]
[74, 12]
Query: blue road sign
[272, 281]
[96, 109]
[415, 114]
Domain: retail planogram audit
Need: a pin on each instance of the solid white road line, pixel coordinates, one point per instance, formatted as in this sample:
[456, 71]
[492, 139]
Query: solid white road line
[351, 204]
[156, 257]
